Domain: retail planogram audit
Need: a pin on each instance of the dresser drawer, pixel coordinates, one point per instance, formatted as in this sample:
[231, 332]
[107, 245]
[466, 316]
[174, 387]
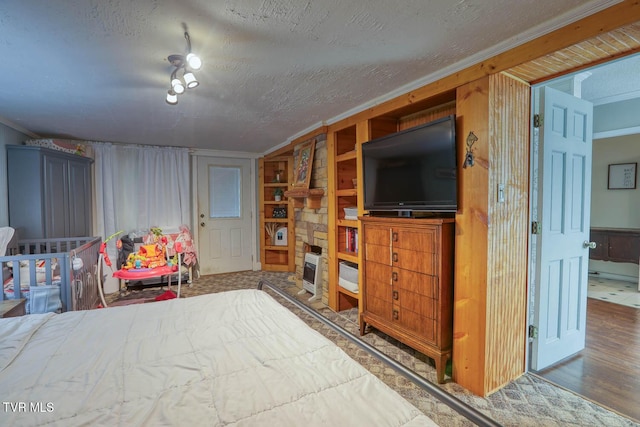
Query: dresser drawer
[417, 324]
[377, 253]
[378, 295]
[423, 240]
[411, 259]
[422, 285]
[421, 306]
[377, 235]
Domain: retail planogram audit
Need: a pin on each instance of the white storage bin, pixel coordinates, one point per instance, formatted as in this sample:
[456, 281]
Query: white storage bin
[350, 286]
[348, 276]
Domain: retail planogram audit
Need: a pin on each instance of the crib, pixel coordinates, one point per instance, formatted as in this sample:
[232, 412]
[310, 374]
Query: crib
[50, 271]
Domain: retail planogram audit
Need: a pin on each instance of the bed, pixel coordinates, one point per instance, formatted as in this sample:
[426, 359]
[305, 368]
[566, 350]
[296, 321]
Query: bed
[235, 358]
[54, 274]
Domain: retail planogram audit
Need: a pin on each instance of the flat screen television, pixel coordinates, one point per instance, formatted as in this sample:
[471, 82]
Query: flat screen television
[412, 170]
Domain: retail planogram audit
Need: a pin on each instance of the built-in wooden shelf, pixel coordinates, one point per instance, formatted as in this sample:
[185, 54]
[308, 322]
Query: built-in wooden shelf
[350, 155]
[276, 173]
[311, 197]
[348, 256]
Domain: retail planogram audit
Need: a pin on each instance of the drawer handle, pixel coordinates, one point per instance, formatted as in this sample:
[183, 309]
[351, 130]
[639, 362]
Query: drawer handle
[395, 295]
[394, 257]
[395, 314]
[394, 236]
[394, 276]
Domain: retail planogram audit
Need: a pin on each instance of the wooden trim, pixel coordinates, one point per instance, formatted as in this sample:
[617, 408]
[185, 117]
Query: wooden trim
[585, 66]
[287, 150]
[316, 132]
[332, 209]
[619, 15]
[491, 248]
[471, 241]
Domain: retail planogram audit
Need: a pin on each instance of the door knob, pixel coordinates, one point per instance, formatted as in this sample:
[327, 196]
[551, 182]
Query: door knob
[201, 215]
[588, 244]
[202, 224]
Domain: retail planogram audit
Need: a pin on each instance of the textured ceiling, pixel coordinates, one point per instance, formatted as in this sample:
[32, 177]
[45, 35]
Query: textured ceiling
[273, 69]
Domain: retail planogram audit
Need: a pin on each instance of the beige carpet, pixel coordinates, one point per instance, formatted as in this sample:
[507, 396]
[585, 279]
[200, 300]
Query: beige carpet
[528, 401]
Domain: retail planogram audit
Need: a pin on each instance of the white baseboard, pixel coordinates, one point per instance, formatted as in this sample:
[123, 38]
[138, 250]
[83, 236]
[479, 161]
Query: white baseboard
[613, 276]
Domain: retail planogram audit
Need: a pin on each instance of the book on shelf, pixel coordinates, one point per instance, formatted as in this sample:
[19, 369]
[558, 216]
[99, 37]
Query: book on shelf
[351, 240]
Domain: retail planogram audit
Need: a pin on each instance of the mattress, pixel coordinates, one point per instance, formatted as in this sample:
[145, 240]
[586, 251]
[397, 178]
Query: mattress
[235, 358]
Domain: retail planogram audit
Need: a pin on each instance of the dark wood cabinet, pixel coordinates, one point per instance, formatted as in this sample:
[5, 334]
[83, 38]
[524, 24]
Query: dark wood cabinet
[49, 193]
[616, 245]
[408, 283]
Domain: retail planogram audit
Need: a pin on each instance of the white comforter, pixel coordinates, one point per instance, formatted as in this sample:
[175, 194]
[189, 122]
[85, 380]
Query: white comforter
[234, 358]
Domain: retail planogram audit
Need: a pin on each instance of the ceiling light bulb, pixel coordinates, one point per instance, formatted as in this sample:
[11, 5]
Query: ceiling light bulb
[190, 80]
[194, 61]
[177, 86]
[172, 98]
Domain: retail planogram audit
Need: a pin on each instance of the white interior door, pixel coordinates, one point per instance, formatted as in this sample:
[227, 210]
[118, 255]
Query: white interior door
[564, 195]
[224, 215]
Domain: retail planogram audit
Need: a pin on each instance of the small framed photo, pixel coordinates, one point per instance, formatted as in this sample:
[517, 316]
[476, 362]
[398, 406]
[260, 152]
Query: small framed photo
[280, 212]
[622, 176]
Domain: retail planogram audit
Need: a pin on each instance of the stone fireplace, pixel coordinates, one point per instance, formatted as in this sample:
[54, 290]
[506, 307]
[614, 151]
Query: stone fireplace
[311, 224]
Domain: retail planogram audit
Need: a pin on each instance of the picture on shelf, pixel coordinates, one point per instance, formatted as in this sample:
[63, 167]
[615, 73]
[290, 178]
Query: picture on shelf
[279, 212]
[281, 237]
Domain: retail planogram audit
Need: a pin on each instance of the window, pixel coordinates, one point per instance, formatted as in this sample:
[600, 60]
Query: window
[225, 192]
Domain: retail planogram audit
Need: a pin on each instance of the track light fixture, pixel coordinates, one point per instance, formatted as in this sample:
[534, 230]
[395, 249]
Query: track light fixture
[182, 76]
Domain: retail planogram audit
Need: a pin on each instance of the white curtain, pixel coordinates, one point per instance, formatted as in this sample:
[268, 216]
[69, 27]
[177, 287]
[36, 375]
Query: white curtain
[138, 187]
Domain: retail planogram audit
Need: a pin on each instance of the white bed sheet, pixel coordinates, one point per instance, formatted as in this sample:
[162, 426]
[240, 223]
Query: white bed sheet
[235, 358]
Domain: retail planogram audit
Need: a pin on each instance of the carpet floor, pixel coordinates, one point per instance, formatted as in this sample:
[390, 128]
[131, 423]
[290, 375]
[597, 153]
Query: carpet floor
[527, 401]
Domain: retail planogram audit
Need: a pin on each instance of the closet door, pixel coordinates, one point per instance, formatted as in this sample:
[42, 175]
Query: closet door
[79, 191]
[56, 196]
[26, 204]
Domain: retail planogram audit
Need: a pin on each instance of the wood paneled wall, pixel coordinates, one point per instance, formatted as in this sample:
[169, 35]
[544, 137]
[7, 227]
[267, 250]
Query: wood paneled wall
[427, 115]
[491, 248]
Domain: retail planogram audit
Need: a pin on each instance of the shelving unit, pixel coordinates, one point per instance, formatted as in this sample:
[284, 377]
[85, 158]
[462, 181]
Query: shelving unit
[344, 164]
[343, 168]
[274, 257]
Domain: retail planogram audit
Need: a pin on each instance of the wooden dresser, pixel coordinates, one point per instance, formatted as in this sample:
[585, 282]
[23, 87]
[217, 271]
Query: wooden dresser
[408, 283]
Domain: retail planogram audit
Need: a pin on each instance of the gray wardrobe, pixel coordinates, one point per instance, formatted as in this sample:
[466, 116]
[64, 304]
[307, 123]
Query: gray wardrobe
[49, 192]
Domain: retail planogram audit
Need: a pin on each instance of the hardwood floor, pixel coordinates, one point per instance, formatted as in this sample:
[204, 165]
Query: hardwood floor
[607, 371]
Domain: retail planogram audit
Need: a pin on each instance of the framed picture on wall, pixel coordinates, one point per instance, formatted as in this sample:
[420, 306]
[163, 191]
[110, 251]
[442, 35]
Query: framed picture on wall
[304, 165]
[622, 176]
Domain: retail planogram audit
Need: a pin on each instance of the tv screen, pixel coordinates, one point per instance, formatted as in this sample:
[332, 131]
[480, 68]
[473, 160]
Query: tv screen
[412, 170]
